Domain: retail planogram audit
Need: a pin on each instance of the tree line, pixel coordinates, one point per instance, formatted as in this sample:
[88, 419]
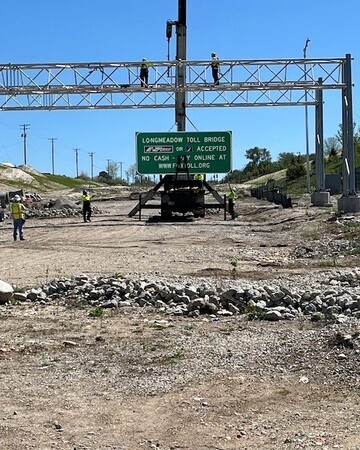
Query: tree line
[260, 161]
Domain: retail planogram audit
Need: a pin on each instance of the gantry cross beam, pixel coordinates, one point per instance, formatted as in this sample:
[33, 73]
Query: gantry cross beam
[116, 85]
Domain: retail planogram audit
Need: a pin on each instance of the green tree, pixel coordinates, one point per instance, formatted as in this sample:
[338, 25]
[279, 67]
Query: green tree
[332, 147]
[258, 156]
[113, 169]
[295, 171]
[286, 159]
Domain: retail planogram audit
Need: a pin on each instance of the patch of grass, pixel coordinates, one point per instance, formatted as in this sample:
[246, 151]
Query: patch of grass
[312, 235]
[97, 312]
[19, 289]
[253, 313]
[351, 224]
[171, 359]
[227, 329]
[284, 392]
[118, 275]
[329, 262]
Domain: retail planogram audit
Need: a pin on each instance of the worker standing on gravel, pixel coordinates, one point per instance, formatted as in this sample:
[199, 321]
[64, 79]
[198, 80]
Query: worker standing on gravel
[18, 215]
[86, 202]
[232, 200]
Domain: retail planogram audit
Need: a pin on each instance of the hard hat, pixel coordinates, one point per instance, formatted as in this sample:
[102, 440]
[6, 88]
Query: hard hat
[17, 198]
[84, 192]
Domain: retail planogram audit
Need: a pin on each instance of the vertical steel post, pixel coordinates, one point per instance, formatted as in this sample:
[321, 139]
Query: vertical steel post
[319, 141]
[180, 115]
[307, 123]
[344, 131]
[349, 126]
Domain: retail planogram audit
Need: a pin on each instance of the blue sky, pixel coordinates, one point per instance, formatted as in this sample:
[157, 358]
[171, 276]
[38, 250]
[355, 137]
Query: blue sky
[48, 31]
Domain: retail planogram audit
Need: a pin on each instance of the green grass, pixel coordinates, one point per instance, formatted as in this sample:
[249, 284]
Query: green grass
[97, 312]
[170, 359]
[45, 182]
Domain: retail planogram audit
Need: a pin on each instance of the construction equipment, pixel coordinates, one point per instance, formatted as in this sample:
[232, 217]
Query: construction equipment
[182, 194]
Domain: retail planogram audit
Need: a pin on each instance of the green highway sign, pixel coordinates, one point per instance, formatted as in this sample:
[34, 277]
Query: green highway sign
[206, 151]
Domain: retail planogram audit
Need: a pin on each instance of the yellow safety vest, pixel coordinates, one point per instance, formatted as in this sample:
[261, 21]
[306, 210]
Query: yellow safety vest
[17, 211]
[232, 196]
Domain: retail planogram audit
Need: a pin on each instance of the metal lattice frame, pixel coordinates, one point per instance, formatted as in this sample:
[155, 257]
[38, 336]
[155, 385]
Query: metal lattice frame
[283, 82]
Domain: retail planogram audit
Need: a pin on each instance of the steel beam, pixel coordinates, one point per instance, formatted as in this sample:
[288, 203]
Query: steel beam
[116, 85]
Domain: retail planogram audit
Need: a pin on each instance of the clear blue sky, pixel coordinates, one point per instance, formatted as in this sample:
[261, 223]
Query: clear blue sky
[45, 31]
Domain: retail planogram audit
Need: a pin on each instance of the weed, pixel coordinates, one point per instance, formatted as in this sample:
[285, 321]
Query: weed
[329, 262]
[171, 359]
[118, 275]
[97, 312]
[253, 313]
[351, 224]
[19, 289]
[284, 392]
[227, 329]
[234, 264]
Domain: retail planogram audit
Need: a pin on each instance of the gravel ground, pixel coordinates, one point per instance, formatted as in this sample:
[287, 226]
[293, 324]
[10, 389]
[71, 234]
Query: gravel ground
[132, 378]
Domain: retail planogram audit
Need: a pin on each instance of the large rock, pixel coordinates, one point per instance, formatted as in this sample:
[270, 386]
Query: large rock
[6, 292]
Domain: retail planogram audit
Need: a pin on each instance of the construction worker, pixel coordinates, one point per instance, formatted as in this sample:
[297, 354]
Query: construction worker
[86, 203]
[144, 73]
[215, 68]
[199, 177]
[232, 199]
[18, 215]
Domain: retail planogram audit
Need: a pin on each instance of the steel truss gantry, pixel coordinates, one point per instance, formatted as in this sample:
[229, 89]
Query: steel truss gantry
[181, 84]
[116, 85]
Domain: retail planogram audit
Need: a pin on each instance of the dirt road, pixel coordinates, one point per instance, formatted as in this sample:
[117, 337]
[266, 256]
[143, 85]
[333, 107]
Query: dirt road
[261, 240]
[133, 379]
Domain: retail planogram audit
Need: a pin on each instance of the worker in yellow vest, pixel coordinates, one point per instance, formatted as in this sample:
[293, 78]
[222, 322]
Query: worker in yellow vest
[232, 199]
[86, 203]
[18, 215]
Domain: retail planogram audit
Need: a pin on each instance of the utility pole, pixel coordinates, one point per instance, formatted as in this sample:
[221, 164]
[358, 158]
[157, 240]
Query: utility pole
[180, 95]
[121, 169]
[108, 165]
[76, 150]
[180, 76]
[52, 154]
[91, 154]
[25, 126]
[307, 123]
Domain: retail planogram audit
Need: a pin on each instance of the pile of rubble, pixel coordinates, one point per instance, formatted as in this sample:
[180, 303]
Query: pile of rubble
[327, 247]
[54, 208]
[333, 295]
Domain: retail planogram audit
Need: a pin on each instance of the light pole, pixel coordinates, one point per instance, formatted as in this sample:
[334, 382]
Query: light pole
[306, 123]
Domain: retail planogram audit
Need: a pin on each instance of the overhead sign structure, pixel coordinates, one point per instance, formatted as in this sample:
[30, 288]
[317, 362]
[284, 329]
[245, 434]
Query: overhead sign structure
[206, 151]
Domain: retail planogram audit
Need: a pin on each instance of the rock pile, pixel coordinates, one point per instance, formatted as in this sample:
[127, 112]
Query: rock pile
[56, 210]
[325, 297]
